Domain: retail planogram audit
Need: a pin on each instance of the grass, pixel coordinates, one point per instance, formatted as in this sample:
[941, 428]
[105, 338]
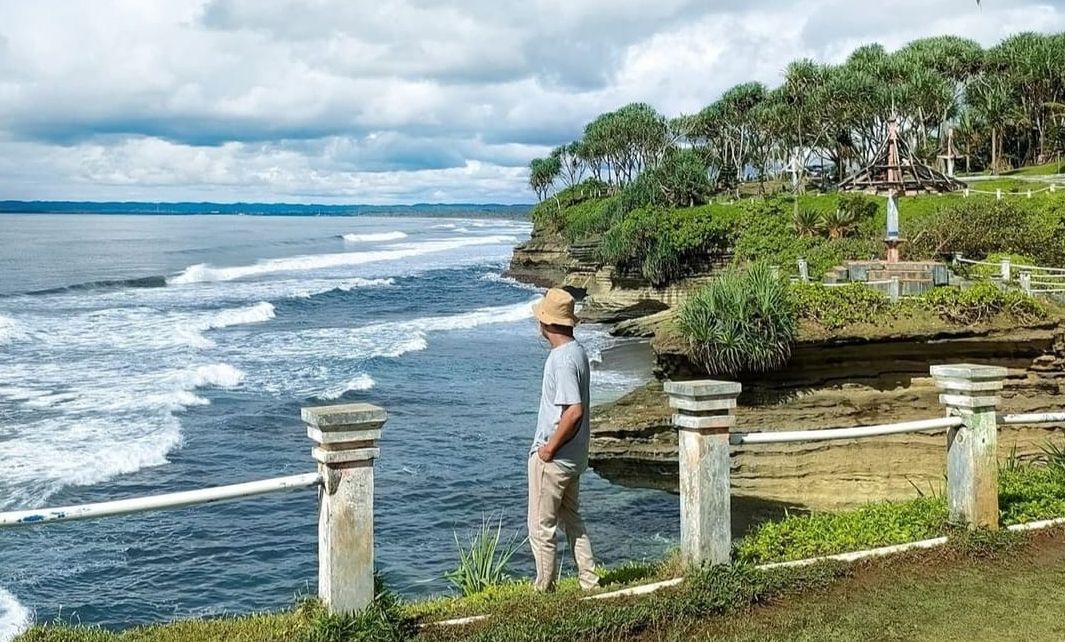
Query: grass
[1047, 169]
[931, 596]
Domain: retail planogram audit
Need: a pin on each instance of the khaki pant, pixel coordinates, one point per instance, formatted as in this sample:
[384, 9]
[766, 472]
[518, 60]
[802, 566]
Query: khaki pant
[553, 501]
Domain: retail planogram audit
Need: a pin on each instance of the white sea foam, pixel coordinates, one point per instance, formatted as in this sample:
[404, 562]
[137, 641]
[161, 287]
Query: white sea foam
[356, 384]
[345, 285]
[11, 330]
[376, 237]
[14, 617]
[191, 332]
[202, 273]
[112, 423]
[496, 277]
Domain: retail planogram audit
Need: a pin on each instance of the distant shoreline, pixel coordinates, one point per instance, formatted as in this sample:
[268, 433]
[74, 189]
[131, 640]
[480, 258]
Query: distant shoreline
[440, 210]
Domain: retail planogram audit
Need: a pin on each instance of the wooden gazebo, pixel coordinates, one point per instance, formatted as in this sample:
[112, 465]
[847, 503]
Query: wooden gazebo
[894, 170]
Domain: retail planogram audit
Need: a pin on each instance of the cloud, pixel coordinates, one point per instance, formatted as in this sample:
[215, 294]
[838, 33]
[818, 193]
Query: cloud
[392, 100]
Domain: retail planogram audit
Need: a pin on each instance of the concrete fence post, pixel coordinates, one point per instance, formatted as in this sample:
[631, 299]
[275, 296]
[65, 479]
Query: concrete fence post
[804, 270]
[966, 192]
[970, 392]
[705, 413]
[1026, 282]
[998, 194]
[346, 439]
[895, 289]
[1005, 272]
[1029, 193]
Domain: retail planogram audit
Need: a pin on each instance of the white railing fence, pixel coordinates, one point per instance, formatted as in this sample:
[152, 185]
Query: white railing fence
[345, 438]
[1033, 279]
[705, 420]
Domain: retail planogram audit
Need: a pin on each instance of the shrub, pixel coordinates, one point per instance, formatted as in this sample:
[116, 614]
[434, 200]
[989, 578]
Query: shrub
[662, 243]
[879, 524]
[550, 214]
[807, 222]
[981, 303]
[741, 322]
[839, 306]
[1031, 492]
[483, 561]
[767, 231]
[978, 228]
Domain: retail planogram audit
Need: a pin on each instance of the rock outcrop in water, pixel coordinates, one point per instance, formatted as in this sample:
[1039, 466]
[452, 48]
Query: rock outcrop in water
[874, 375]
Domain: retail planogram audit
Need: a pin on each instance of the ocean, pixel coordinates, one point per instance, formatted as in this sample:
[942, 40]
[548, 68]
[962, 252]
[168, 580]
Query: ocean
[151, 354]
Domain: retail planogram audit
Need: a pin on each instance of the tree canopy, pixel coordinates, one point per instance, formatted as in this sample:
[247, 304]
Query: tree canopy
[1005, 106]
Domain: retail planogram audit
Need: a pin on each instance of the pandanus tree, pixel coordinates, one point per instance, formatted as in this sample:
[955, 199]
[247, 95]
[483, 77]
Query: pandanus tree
[990, 98]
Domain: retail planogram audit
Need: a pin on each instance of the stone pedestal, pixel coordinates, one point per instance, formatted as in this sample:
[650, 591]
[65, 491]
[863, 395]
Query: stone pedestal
[892, 245]
[705, 414]
[971, 392]
[346, 439]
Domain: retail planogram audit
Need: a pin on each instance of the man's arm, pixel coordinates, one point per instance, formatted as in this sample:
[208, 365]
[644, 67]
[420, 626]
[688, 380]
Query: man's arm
[568, 425]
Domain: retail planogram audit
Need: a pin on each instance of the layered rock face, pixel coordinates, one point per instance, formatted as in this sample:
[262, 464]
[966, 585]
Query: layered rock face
[846, 384]
[609, 295]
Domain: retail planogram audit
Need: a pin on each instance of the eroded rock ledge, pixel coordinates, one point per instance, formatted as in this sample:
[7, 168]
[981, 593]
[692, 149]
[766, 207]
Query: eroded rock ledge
[867, 375]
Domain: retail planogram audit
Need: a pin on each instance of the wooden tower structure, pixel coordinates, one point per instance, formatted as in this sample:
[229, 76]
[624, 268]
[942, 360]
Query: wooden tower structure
[894, 170]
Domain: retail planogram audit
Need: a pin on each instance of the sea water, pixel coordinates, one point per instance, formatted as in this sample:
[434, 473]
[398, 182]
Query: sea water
[151, 354]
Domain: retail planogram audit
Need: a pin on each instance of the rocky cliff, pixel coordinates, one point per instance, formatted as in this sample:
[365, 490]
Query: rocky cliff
[871, 375]
[849, 383]
[608, 295]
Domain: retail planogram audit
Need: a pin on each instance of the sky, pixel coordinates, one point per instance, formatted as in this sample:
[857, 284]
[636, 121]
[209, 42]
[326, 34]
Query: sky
[390, 101]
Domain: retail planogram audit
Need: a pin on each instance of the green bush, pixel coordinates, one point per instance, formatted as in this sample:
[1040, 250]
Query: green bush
[981, 303]
[550, 215]
[766, 230]
[661, 244]
[741, 322]
[1031, 492]
[978, 228]
[879, 524]
[590, 218]
[838, 306]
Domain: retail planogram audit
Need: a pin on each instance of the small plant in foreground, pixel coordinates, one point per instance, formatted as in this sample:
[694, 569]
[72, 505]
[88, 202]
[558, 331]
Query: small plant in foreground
[483, 560]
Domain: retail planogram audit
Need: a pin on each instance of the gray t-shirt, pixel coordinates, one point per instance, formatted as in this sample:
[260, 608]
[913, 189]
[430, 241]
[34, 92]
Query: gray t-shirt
[566, 382]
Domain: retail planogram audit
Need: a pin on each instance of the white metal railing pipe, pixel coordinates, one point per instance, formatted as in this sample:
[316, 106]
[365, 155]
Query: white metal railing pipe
[1033, 418]
[782, 437]
[158, 502]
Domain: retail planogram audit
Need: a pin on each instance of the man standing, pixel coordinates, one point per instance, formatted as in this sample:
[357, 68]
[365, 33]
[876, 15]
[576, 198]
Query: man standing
[559, 452]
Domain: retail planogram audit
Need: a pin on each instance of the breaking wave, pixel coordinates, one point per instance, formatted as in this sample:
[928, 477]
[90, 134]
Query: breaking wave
[375, 237]
[357, 384]
[14, 617]
[203, 273]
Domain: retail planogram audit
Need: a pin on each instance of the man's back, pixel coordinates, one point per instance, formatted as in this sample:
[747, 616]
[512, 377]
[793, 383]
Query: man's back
[567, 376]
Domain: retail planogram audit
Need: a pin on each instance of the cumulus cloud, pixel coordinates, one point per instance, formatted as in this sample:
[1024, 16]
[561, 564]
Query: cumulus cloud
[388, 101]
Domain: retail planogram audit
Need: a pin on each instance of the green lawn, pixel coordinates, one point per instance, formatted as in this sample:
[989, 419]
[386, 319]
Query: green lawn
[1017, 596]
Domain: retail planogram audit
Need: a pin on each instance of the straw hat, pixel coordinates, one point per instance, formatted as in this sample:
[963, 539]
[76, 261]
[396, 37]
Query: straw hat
[556, 308]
